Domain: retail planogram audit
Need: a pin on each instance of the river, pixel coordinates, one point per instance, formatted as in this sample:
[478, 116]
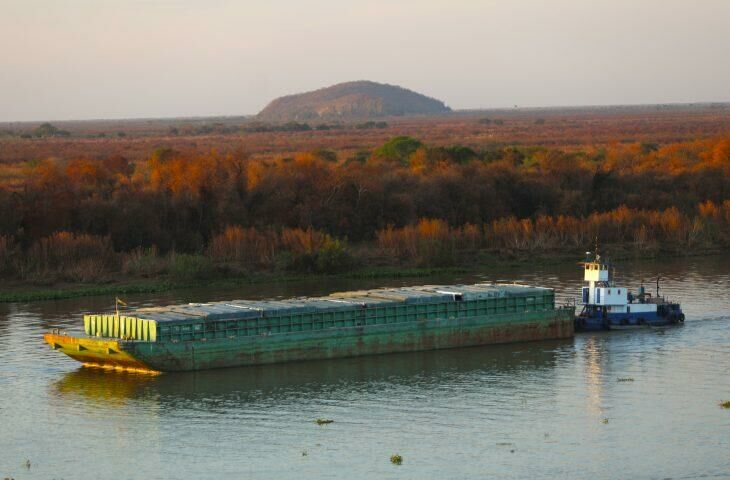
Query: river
[641, 404]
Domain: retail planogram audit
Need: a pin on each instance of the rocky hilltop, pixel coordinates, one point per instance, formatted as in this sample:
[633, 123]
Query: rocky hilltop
[351, 100]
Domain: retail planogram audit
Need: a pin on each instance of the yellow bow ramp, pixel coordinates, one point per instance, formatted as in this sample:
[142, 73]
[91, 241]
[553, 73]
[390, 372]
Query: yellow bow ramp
[99, 352]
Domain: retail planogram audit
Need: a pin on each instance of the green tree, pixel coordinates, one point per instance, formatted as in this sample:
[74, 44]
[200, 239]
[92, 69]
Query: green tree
[399, 148]
[46, 130]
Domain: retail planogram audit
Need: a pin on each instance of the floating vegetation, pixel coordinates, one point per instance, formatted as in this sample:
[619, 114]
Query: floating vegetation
[27, 464]
[504, 444]
[304, 453]
[323, 421]
[396, 459]
[725, 404]
[625, 379]
[604, 421]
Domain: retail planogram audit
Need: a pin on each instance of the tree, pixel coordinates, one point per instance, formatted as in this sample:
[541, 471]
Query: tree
[399, 148]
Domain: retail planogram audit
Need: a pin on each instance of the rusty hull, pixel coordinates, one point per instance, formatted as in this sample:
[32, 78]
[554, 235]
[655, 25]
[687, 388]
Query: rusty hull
[339, 342]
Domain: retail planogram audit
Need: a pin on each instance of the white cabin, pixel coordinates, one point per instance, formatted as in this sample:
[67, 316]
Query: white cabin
[605, 296]
[602, 292]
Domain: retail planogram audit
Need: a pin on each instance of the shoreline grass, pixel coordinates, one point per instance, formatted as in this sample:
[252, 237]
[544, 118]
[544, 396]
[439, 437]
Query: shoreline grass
[33, 293]
[24, 293]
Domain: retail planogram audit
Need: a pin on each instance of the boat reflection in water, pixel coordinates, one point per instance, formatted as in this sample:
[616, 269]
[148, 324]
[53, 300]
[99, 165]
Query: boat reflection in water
[500, 365]
[593, 356]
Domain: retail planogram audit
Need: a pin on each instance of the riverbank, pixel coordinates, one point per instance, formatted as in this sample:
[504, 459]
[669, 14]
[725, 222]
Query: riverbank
[481, 261]
[32, 293]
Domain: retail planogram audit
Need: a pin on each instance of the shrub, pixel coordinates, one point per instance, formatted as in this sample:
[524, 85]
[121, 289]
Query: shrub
[65, 256]
[313, 251]
[8, 253]
[143, 261]
[360, 156]
[303, 241]
[246, 246]
[184, 266]
[429, 242]
[325, 154]
[399, 148]
[333, 257]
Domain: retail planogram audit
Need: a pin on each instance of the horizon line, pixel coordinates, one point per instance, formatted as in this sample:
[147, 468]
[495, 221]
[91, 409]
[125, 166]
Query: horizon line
[725, 103]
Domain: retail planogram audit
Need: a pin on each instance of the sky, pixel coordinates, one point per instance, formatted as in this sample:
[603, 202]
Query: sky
[93, 59]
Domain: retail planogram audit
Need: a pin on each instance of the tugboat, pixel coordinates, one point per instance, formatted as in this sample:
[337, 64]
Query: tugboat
[607, 306]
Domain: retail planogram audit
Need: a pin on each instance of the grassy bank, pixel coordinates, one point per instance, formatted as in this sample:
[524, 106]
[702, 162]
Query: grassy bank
[20, 292]
[473, 263]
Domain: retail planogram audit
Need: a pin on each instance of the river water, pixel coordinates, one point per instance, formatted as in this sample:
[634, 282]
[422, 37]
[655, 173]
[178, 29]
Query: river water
[607, 405]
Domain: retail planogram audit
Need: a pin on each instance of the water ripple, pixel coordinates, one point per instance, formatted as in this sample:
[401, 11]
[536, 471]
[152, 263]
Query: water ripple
[622, 405]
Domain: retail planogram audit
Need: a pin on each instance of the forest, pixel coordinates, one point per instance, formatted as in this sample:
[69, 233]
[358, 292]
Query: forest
[405, 201]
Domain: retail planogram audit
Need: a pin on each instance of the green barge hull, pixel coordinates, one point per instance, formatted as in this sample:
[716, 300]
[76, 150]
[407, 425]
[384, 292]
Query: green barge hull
[241, 333]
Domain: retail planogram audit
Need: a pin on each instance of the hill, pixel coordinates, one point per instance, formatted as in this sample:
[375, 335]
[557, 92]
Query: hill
[351, 100]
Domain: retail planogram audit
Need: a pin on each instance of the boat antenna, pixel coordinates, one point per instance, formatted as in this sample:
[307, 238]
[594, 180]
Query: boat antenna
[598, 257]
[657, 285]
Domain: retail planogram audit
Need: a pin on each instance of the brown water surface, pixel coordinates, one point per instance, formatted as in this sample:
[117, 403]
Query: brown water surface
[553, 409]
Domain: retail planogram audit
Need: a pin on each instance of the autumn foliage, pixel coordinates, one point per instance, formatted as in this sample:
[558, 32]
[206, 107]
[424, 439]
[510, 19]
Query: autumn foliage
[432, 241]
[319, 210]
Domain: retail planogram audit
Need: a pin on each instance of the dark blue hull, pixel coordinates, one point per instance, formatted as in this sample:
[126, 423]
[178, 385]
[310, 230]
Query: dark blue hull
[595, 321]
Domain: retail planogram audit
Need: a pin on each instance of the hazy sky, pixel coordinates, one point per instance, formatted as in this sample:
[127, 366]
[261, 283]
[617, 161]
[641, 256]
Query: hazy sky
[79, 59]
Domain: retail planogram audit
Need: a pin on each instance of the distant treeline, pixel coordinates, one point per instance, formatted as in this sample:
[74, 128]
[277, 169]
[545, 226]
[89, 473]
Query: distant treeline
[44, 130]
[404, 201]
[48, 130]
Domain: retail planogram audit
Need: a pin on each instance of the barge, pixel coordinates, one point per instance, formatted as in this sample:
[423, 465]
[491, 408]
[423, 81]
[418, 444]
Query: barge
[197, 336]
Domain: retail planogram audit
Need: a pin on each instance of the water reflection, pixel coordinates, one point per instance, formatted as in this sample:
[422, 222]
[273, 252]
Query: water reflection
[593, 357]
[429, 370]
